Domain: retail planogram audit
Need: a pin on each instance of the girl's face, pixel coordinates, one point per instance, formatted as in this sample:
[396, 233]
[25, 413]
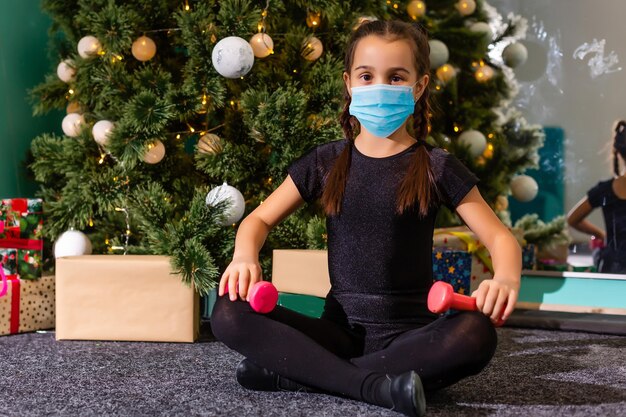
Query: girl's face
[379, 61]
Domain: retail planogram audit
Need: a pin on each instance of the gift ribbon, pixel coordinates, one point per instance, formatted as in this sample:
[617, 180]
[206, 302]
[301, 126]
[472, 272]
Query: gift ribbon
[473, 246]
[15, 243]
[14, 324]
[5, 284]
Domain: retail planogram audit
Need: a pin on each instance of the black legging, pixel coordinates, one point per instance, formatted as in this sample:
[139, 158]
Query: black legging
[321, 354]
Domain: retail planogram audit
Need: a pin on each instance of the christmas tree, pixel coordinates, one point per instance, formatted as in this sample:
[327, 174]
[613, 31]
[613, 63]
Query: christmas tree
[169, 99]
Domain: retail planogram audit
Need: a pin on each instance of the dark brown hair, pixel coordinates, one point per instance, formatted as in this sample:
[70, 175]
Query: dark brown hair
[619, 145]
[418, 183]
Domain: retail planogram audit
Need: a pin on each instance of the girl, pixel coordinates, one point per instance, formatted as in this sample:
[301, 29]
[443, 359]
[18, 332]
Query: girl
[611, 196]
[380, 189]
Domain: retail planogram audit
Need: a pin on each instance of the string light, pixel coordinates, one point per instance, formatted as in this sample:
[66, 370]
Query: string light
[187, 8]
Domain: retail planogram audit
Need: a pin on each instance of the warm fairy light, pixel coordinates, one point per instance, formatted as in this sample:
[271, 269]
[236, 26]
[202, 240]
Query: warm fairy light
[106, 241]
[178, 136]
[261, 26]
[294, 71]
[456, 128]
[101, 160]
[71, 91]
[490, 136]
[395, 5]
[90, 222]
[204, 100]
[490, 147]
[187, 5]
[191, 129]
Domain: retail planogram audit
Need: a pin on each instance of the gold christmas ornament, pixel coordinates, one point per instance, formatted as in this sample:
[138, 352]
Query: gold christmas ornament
[262, 45]
[416, 9]
[502, 203]
[466, 7]
[313, 19]
[484, 73]
[155, 152]
[144, 48]
[73, 107]
[445, 73]
[312, 48]
[210, 144]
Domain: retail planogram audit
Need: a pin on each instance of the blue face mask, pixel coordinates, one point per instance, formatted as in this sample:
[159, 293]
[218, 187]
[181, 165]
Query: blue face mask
[382, 108]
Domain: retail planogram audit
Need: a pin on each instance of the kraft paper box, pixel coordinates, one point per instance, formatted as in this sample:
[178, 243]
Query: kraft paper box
[301, 271]
[27, 305]
[124, 298]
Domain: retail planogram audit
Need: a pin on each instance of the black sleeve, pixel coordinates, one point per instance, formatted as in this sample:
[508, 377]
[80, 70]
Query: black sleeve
[305, 173]
[596, 195]
[453, 179]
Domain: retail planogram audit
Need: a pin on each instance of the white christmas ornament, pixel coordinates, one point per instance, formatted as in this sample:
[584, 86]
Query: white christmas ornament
[515, 55]
[482, 27]
[439, 53]
[466, 7]
[66, 71]
[72, 124]
[524, 188]
[237, 205]
[475, 140]
[155, 152]
[262, 45]
[312, 48]
[232, 57]
[72, 243]
[101, 131]
[144, 48]
[89, 46]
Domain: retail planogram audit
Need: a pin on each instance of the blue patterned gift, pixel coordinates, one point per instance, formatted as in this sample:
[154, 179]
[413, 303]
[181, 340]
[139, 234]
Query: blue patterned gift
[454, 267]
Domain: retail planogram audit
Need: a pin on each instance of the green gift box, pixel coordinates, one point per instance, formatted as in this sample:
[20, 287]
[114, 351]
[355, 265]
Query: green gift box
[21, 244]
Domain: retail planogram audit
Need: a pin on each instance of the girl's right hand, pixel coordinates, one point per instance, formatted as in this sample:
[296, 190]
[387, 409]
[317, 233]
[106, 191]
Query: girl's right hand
[239, 277]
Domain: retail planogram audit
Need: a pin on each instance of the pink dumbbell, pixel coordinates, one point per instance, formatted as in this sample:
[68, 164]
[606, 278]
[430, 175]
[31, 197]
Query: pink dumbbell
[442, 297]
[263, 297]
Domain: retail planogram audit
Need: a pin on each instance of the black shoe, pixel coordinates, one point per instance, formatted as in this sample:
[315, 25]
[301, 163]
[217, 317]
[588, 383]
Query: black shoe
[407, 394]
[257, 378]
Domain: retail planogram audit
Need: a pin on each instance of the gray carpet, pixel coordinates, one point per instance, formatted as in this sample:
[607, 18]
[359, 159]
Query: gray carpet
[534, 373]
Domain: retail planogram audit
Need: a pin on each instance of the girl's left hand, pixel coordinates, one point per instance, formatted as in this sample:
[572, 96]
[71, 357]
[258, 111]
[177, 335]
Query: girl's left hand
[496, 298]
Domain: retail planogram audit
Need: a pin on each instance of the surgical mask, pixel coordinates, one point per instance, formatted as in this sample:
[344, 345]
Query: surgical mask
[382, 108]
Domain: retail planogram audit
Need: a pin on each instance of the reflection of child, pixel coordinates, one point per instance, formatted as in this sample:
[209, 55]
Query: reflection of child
[611, 196]
[381, 189]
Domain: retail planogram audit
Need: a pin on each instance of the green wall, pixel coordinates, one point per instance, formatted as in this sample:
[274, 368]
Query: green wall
[23, 64]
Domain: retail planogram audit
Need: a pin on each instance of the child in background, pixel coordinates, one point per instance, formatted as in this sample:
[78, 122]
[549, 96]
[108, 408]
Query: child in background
[610, 247]
[381, 189]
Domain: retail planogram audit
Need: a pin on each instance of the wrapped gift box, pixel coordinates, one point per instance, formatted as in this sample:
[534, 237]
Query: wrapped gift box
[453, 267]
[124, 298]
[301, 271]
[21, 245]
[26, 305]
[463, 239]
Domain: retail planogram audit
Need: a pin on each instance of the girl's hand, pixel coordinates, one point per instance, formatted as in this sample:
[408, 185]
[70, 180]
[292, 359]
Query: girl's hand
[240, 276]
[496, 298]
